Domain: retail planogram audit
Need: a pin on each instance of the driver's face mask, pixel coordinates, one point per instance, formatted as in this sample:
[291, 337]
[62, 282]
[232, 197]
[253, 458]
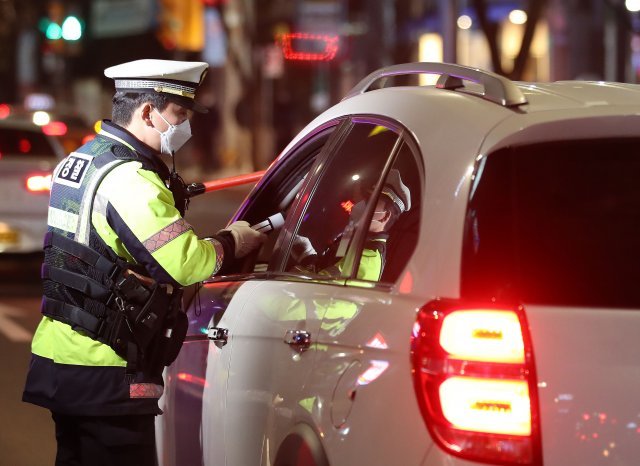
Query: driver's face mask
[378, 219]
[174, 137]
[357, 211]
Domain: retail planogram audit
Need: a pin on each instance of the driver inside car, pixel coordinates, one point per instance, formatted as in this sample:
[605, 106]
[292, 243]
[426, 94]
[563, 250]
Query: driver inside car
[394, 200]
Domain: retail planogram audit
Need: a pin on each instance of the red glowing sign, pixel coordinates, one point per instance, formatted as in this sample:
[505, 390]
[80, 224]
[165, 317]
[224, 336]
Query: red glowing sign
[347, 206]
[302, 46]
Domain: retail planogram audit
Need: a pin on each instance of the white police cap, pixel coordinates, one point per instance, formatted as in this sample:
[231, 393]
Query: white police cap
[178, 80]
[397, 191]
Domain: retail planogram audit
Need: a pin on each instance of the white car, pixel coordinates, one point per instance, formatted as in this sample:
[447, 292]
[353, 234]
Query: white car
[27, 159]
[497, 321]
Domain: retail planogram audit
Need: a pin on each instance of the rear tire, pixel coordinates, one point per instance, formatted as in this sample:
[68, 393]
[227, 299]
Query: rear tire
[301, 447]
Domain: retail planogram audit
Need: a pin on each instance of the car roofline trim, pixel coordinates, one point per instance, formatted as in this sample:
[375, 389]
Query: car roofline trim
[497, 89]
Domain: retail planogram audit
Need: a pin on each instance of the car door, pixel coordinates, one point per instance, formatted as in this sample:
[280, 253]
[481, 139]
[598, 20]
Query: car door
[268, 317]
[192, 429]
[277, 336]
[187, 381]
[362, 376]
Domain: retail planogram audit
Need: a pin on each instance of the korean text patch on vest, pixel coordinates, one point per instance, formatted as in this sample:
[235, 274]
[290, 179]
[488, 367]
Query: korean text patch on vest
[73, 170]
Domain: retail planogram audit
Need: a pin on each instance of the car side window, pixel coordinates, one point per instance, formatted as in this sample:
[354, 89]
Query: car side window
[277, 196]
[338, 201]
[394, 222]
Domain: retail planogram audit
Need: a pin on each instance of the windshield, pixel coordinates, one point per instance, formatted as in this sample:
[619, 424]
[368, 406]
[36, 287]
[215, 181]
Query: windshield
[556, 223]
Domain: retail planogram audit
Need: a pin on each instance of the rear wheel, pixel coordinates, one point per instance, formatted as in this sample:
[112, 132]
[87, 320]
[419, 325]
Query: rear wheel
[302, 447]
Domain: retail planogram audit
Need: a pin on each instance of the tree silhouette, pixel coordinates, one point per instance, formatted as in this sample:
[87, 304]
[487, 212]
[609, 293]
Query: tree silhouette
[534, 11]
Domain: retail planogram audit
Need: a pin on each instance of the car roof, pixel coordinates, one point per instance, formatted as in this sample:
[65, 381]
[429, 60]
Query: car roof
[471, 98]
[455, 126]
[578, 94]
[20, 123]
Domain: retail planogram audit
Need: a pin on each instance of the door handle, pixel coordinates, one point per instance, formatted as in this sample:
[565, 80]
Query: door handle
[218, 335]
[300, 340]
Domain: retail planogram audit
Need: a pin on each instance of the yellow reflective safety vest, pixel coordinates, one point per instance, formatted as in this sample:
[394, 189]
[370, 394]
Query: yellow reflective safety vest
[111, 195]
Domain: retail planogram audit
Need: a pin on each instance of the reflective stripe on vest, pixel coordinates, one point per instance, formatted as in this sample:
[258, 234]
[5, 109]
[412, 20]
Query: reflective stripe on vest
[145, 390]
[75, 181]
[86, 208]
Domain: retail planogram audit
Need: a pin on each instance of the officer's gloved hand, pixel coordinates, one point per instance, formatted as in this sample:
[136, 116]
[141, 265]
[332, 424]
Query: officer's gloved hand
[246, 239]
[302, 250]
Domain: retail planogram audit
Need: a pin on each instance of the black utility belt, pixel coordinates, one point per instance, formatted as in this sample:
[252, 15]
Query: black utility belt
[133, 319]
[143, 309]
[126, 321]
[130, 329]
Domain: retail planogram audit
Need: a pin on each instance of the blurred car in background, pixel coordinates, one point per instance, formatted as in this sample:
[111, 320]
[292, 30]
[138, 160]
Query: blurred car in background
[496, 322]
[69, 128]
[27, 158]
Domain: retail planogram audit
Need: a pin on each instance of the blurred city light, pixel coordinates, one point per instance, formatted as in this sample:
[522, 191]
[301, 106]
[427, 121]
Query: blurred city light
[5, 111]
[39, 101]
[71, 28]
[517, 17]
[41, 118]
[430, 50]
[53, 31]
[55, 128]
[632, 5]
[465, 22]
[308, 47]
[39, 183]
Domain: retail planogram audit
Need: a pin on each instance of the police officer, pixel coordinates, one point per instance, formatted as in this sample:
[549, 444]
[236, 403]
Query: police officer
[117, 254]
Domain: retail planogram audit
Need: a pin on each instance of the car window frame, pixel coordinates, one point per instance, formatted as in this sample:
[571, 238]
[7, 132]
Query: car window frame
[354, 251]
[303, 149]
[282, 249]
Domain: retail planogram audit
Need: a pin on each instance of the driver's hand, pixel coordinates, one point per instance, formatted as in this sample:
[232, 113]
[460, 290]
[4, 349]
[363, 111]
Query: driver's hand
[246, 239]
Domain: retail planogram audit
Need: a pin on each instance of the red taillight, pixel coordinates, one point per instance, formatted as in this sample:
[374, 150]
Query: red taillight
[39, 183]
[475, 381]
[87, 138]
[5, 111]
[55, 128]
[24, 146]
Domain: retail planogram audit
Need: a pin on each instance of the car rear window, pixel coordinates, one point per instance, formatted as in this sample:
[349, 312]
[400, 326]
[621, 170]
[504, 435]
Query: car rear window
[556, 223]
[15, 142]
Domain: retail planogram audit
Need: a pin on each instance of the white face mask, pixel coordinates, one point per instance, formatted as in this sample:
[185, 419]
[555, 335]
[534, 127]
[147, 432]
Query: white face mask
[174, 137]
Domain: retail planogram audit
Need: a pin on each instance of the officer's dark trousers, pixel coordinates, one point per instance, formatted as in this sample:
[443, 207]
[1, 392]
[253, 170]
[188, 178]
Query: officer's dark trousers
[105, 440]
